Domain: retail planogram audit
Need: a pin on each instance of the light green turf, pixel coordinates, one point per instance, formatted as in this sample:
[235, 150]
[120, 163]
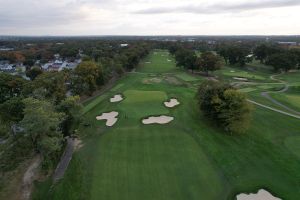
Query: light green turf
[292, 100]
[140, 103]
[187, 159]
[228, 73]
[158, 63]
[247, 90]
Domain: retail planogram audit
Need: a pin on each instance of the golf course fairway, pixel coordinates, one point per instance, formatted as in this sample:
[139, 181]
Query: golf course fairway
[186, 159]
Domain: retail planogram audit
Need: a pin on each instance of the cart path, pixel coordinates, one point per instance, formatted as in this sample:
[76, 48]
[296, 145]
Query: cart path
[286, 87]
[65, 160]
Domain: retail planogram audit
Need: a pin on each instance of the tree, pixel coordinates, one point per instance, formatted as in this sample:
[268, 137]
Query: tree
[87, 74]
[261, 52]
[264, 51]
[50, 85]
[282, 61]
[296, 54]
[185, 58]
[209, 62]
[225, 106]
[33, 72]
[72, 110]
[10, 86]
[235, 111]
[234, 54]
[12, 110]
[41, 124]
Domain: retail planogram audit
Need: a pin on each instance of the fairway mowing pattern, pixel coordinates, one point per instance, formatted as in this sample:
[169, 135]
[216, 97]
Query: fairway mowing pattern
[152, 164]
[159, 63]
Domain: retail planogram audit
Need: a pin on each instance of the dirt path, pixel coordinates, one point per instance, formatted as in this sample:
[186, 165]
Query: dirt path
[29, 177]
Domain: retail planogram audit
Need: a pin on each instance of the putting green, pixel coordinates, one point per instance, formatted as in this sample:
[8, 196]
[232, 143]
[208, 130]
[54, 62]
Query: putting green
[140, 103]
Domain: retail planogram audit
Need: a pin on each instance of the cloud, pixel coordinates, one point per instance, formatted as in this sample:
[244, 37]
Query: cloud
[119, 17]
[220, 8]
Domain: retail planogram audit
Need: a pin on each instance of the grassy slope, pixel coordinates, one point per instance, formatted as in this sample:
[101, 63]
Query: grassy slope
[186, 159]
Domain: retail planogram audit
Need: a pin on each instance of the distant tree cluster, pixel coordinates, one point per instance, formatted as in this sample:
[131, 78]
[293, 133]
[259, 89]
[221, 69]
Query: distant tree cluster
[235, 54]
[225, 106]
[186, 58]
[279, 58]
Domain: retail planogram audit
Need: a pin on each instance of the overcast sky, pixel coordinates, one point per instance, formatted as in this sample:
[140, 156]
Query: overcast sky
[149, 17]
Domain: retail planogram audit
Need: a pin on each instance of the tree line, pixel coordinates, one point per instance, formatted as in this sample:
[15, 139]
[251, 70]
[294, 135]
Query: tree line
[36, 114]
[187, 59]
[280, 59]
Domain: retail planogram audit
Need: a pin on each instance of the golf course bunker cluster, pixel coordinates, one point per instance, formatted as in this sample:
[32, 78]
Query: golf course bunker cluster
[116, 98]
[163, 119]
[260, 195]
[171, 103]
[111, 118]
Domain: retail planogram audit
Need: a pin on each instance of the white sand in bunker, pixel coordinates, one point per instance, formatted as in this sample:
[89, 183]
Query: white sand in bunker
[111, 118]
[116, 98]
[240, 79]
[158, 120]
[171, 103]
[261, 195]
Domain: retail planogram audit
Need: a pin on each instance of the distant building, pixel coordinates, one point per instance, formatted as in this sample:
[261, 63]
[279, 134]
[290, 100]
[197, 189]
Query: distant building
[59, 65]
[6, 49]
[56, 56]
[8, 68]
[287, 43]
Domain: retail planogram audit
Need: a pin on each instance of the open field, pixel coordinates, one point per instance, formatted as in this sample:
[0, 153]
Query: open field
[188, 158]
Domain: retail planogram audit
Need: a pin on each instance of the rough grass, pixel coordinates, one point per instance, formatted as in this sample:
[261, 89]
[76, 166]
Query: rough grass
[292, 143]
[289, 99]
[246, 90]
[186, 77]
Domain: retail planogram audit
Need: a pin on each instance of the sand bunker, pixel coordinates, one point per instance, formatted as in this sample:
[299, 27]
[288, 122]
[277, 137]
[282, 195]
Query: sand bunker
[261, 195]
[240, 79]
[171, 103]
[111, 118]
[158, 120]
[152, 80]
[116, 98]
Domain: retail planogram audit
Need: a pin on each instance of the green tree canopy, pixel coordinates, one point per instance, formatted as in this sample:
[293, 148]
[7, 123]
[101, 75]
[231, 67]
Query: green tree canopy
[225, 106]
[87, 75]
[33, 72]
[41, 124]
[208, 61]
